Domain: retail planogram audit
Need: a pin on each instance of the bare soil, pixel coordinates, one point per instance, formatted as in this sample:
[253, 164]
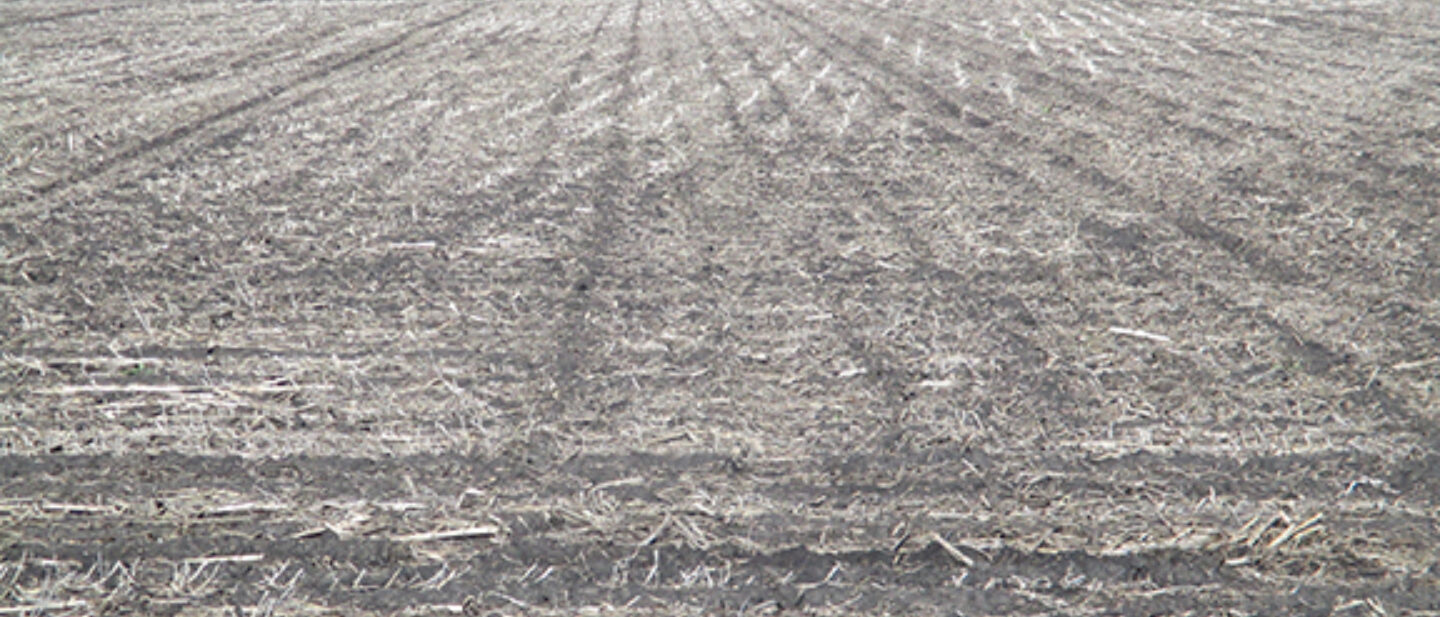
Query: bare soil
[741, 307]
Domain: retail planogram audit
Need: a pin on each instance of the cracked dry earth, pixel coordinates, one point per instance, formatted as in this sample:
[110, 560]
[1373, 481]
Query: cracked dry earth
[740, 307]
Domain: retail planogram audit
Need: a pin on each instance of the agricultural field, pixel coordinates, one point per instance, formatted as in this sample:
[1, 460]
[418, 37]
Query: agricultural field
[720, 307]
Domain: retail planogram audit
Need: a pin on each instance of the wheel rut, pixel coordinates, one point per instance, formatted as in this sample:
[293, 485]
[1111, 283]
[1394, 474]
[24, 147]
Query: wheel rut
[254, 104]
[1248, 251]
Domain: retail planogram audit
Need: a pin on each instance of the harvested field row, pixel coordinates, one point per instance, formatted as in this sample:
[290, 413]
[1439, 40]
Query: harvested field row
[719, 306]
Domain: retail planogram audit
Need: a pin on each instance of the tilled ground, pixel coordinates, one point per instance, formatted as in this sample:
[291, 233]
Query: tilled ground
[720, 306]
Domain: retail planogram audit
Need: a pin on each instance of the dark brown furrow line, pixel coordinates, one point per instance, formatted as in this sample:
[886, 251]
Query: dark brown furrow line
[890, 100]
[258, 53]
[63, 15]
[247, 66]
[266, 99]
[577, 342]
[930, 96]
[368, 103]
[883, 367]
[981, 55]
[628, 61]
[1307, 19]
[759, 68]
[1087, 172]
[738, 128]
[600, 23]
[1315, 356]
[1245, 249]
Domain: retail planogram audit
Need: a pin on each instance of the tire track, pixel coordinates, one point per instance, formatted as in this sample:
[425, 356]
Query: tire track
[894, 379]
[594, 251]
[1316, 358]
[984, 55]
[254, 103]
[1244, 249]
[542, 174]
[891, 100]
[880, 365]
[1200, 136]
[548, 111]
[271, 47]
[628, 62]
[1084, 171]
[990, 311]
[175, 64]
[595, 176]
[541, 121]
[1307, 19]
[377, 103]
[931, 97]
[64, 15]
[760, 70]
[728, 102]
[459, 219]
[164, 92]
[1310, 355]
[600, 24]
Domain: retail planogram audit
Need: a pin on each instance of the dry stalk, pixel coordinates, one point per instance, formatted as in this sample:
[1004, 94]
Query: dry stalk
[1140, 334]
[952, 551]
[245, 558]
[43, 607]
[1296, 531]
[239, 509]
[481, 531]
[179, 389]
[79, 509]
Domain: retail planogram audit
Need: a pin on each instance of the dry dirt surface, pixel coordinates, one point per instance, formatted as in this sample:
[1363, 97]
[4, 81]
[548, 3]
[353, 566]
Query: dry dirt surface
[720, 307]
